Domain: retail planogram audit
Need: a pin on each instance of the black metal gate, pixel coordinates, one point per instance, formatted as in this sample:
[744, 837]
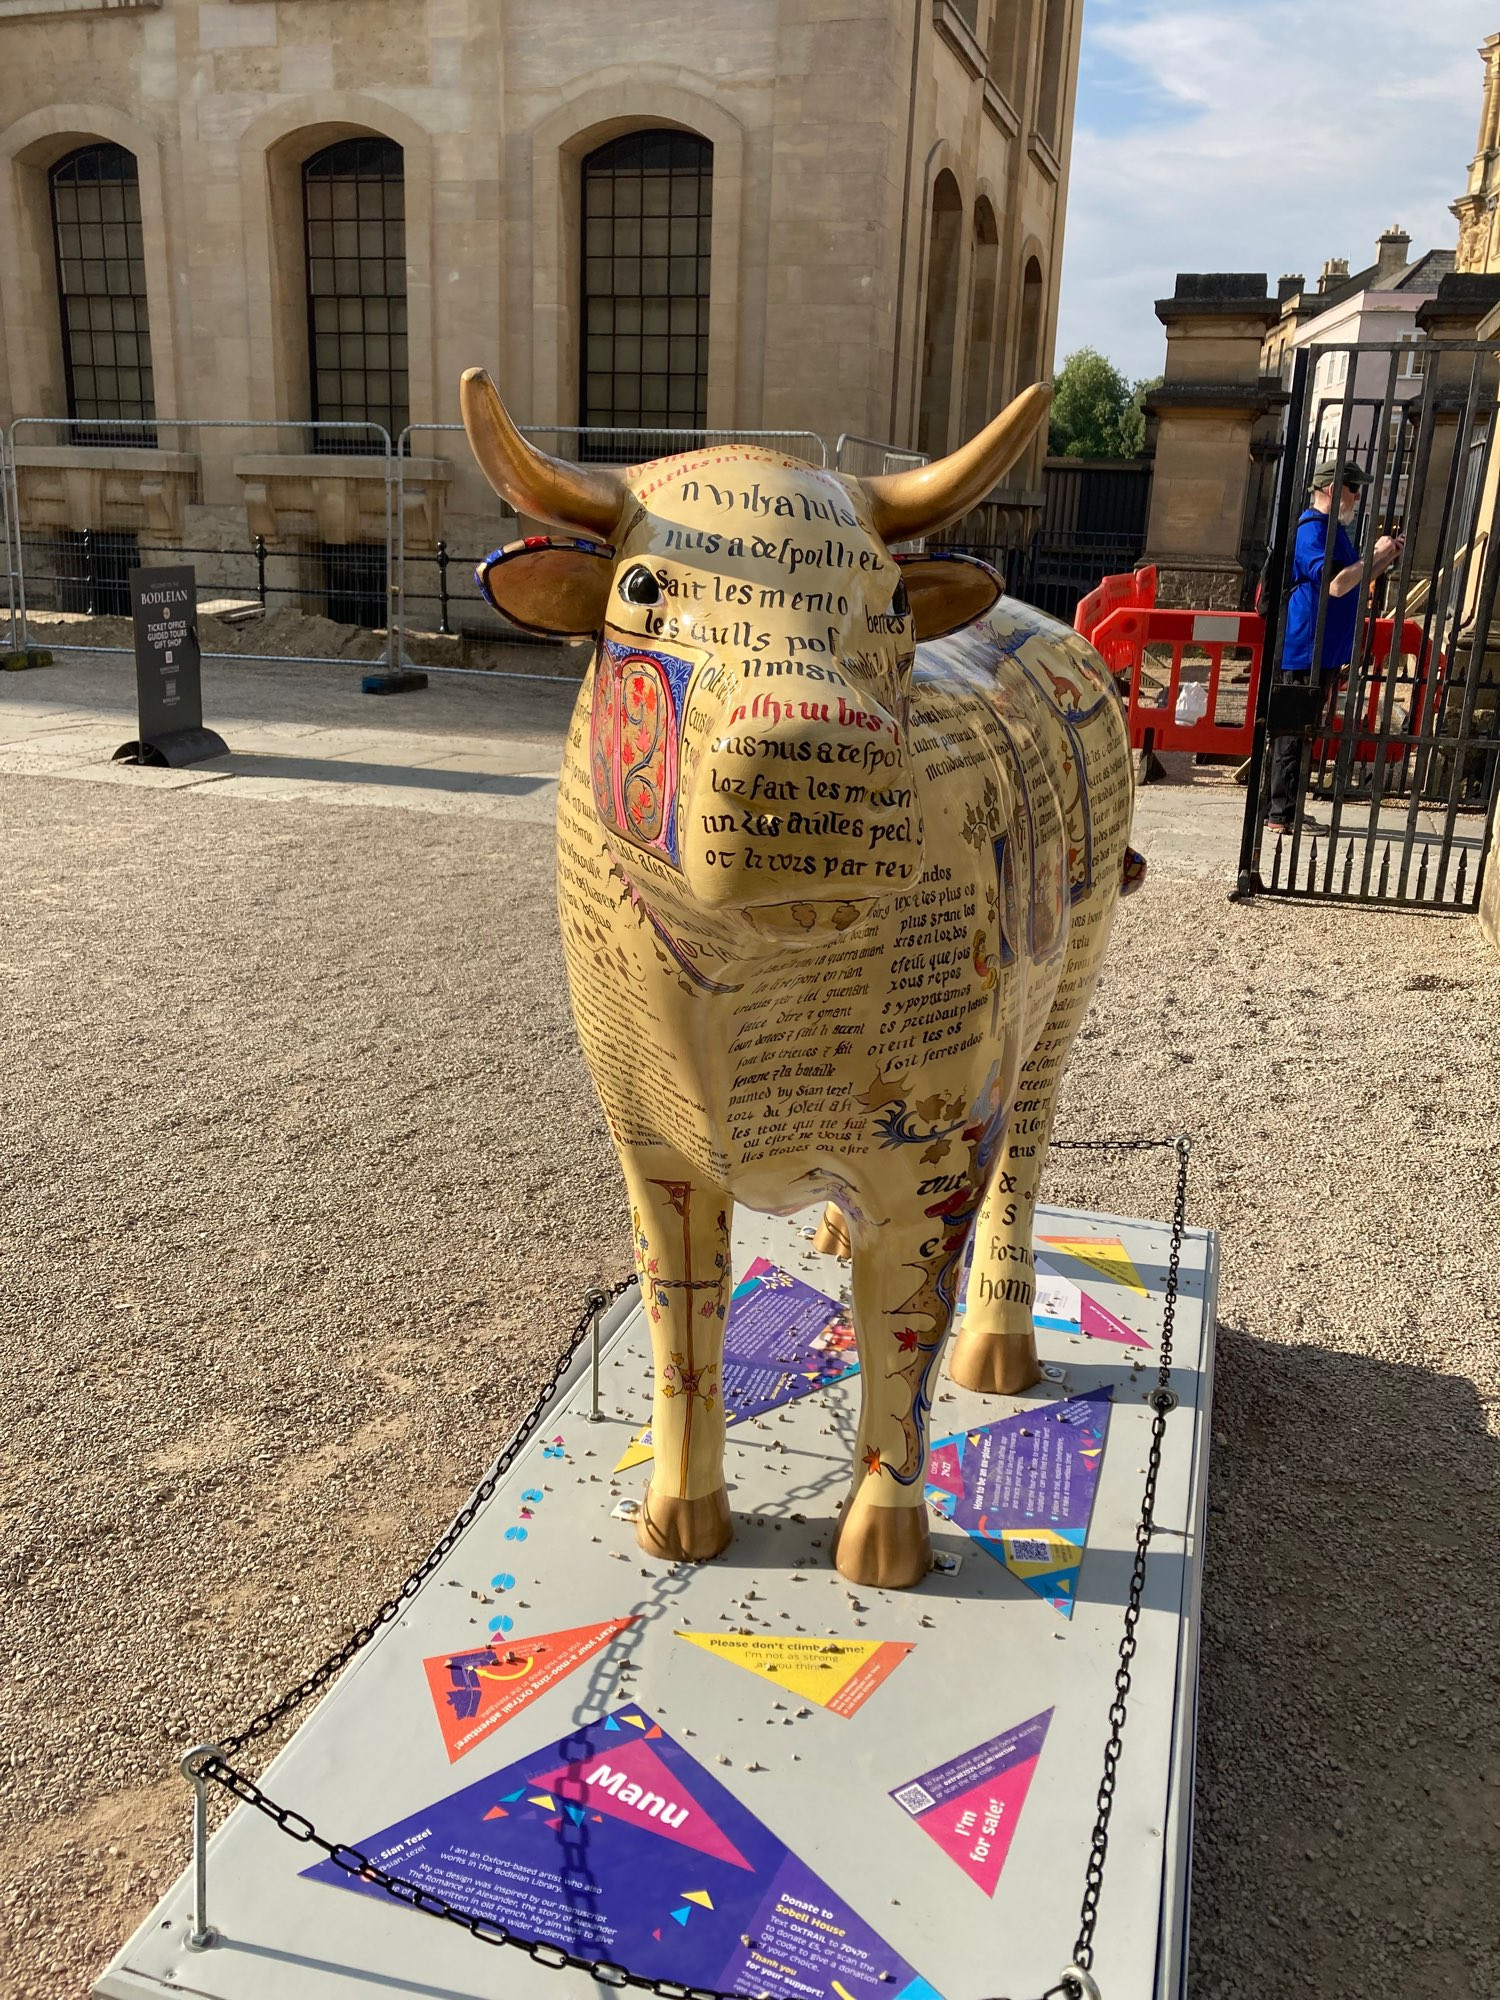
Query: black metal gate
[1394, 798]
[1093, 525]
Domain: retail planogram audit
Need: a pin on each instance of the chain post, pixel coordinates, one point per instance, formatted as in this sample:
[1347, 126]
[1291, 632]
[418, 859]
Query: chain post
[594, 1303]
[1079, 1984]
[194, 1768]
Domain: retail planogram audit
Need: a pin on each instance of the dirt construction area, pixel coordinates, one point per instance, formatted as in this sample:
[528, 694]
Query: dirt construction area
[304, 1180]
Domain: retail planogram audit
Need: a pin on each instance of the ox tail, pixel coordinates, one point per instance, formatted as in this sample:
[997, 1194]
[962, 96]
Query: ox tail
[1132, 872]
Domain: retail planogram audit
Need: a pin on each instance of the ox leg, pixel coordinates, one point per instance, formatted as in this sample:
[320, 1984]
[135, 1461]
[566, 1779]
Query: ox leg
[994, 1349]
[901, 1320]
[681, 1230]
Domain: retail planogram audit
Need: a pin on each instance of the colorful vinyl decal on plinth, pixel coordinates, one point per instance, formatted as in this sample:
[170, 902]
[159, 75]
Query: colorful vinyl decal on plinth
[1064, 1307]
[477, 1690]
[1106, 1255]
[1024, 1488]
[616, 1844]
[782, 1340]
[839, 1674]
[1061, 1304]
[971, 1804]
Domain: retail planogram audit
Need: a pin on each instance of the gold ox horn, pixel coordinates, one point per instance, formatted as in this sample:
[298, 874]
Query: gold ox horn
[906, 505]
[585, 499]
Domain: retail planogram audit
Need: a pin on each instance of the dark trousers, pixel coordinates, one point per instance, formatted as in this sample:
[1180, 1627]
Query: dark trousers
[1303, 700]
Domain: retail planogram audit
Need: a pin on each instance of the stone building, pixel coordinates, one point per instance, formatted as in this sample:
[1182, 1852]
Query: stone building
[783, 215]
[1478, 209]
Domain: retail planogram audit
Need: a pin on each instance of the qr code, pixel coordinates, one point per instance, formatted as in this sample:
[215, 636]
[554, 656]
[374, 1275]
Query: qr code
[1026, 1549]
[915, 1798]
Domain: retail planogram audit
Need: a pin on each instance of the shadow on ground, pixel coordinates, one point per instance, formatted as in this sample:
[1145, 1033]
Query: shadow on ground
[1355, 1631]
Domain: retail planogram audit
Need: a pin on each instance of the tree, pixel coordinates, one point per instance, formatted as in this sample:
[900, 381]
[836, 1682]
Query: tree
[1096, 412]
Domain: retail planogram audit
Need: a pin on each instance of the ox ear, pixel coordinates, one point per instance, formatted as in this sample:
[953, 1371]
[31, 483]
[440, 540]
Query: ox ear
[546, 584]
[948, 592]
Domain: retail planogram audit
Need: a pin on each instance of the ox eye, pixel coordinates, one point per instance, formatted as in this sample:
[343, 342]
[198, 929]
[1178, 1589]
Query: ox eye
[901, 603]
[639, 586]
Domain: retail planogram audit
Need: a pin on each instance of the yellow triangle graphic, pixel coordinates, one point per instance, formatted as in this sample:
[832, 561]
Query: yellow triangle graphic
[700, 1896]
[816, 1669]
[638, 1720]
[1105, 1254]
[637, 1451]
[545, 1800]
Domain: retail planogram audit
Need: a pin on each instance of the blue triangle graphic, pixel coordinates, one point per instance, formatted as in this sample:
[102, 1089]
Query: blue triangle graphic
[681, 1916]
[610, 1723]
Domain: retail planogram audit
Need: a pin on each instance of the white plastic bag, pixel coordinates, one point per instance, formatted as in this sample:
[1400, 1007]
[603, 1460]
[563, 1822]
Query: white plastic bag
[1192, 704]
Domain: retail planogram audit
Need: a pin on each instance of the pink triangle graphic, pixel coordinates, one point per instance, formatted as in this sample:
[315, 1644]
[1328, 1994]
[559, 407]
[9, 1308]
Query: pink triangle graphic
[1099, 1323]
[630, 1782]
[944, 1470]
[976, 1829]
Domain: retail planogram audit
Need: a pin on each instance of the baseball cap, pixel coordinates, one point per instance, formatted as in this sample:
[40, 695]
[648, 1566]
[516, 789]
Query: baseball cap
[1329, 472]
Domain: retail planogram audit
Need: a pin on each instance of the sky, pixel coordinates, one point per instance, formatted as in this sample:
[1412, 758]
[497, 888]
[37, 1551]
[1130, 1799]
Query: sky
[1257, 135]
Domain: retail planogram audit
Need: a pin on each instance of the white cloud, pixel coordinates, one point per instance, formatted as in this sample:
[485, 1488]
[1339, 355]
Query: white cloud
[1248, 135]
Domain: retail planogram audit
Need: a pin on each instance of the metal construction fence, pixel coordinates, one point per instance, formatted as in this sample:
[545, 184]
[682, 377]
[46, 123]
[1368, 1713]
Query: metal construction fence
[283, 523]
[13, 637]
[433, 574]
[867, 457]
[320, 542]
[312, 542]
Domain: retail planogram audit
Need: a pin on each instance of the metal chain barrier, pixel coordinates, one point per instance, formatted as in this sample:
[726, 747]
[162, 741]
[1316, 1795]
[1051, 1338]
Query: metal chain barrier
[209, 1763]
[1163, 1398]
[595, 1303]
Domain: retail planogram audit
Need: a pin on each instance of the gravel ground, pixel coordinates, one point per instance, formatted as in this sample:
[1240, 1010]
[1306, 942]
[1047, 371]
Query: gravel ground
[304, 1176]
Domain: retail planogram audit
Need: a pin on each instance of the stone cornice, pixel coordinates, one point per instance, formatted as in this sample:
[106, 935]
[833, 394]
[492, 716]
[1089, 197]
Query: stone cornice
[1044, 156]
[959, 36]
[37, 10]
[1213, 398]
[998, 107]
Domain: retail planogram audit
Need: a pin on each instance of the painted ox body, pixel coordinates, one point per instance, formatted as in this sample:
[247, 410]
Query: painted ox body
[832, 904]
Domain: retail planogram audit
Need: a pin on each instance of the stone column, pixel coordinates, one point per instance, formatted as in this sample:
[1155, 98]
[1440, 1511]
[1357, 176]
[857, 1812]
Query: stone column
[1206, 411]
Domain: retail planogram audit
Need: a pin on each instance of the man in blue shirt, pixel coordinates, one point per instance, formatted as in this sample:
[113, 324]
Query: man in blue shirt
[1342, 565]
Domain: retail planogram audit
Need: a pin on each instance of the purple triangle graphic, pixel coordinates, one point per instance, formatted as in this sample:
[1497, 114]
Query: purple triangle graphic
[1023, 1488]
[525, 1870]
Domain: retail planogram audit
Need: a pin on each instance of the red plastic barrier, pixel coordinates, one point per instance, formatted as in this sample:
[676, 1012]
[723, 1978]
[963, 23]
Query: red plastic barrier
[1121, 619]
[1413, 671]
[1122, 637]
[1136, 588]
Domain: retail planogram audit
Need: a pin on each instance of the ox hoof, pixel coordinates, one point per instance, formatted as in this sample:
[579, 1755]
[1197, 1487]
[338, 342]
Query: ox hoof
[994, 1364]
[831, 1238]
[680, 1530]
[886, 1548]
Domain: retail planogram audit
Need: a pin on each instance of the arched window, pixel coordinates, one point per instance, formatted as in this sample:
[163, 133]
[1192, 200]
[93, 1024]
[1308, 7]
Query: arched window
[647, 220]
[941, 319]
[354, 212]
[101, 286]
[978, 401]
[1053, 58]
[1029, 337]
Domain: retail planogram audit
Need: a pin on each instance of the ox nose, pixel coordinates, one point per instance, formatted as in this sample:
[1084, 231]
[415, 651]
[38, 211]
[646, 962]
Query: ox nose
[793, 808]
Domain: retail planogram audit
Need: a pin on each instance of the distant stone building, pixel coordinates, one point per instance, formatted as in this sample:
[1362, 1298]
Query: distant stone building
[1478, 210]
[1379, 305]
[780, 215]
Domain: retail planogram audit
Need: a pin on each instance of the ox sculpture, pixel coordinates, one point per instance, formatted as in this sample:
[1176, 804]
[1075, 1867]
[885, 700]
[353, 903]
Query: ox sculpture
[840, 837]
